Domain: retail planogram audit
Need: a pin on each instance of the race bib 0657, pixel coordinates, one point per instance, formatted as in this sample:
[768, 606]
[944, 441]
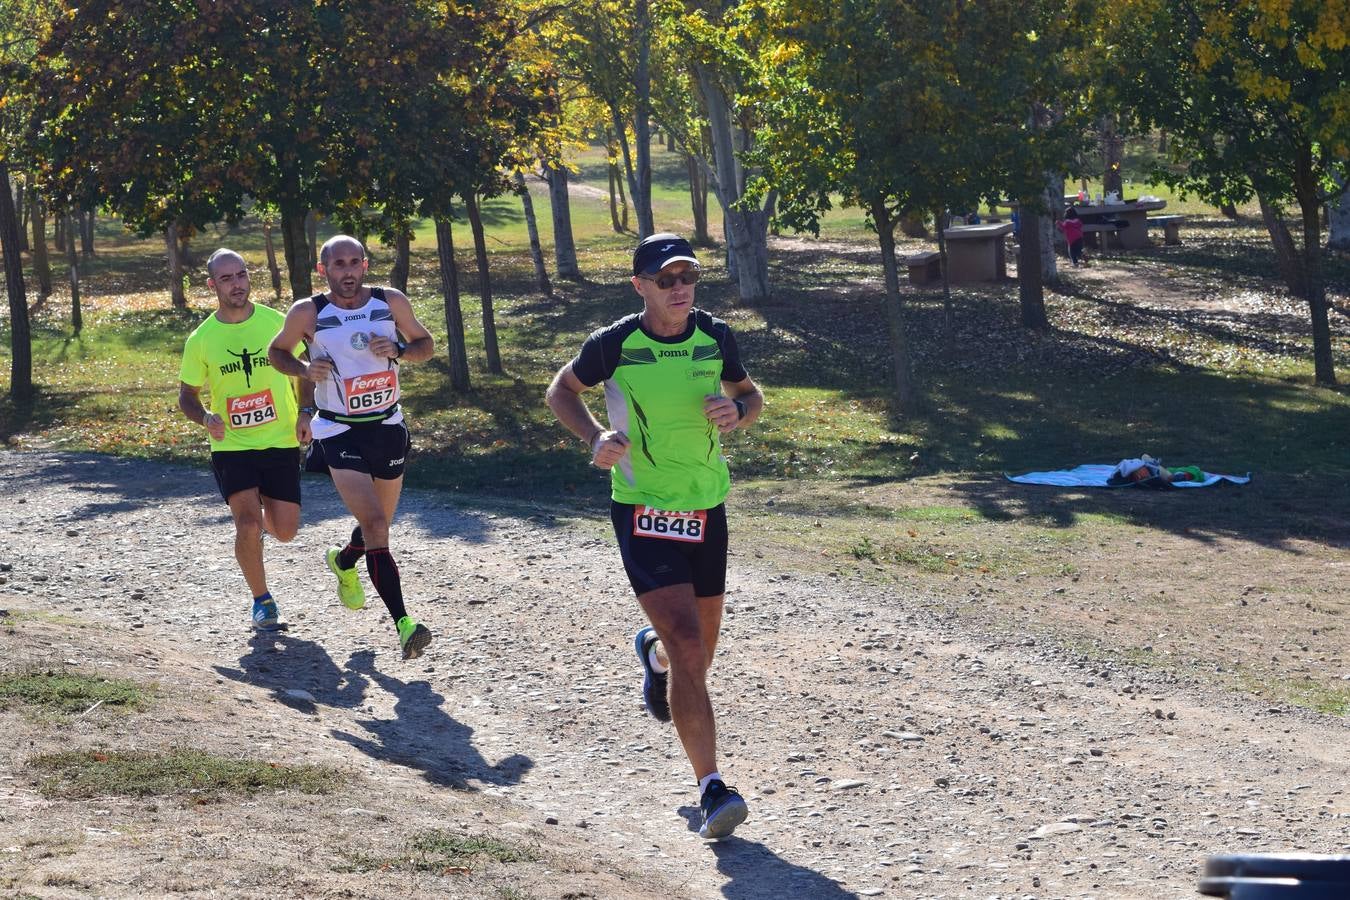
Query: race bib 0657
[251, 410]
[368, 393]
[670, 525]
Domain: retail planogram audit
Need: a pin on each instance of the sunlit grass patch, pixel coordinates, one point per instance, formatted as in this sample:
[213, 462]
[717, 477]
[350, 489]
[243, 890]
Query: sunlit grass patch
[442, 852]
[78, 774]
[68, 692]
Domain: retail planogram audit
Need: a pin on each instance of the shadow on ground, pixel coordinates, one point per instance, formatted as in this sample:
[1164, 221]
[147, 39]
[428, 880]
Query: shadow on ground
[422, 736]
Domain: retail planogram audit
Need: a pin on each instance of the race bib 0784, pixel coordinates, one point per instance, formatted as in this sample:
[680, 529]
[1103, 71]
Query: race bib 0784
[368, 393]
[670, 525]
[251, 410]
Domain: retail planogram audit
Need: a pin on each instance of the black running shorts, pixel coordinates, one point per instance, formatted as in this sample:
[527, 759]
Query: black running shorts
[661, 561]
[275, 472]
[381, 451]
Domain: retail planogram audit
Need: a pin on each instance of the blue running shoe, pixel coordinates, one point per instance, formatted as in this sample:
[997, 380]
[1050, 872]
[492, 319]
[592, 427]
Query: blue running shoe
[723, 809]
[265, 614]
[653, 682]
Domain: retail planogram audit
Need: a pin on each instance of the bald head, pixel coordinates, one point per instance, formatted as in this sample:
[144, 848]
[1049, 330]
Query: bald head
[340, 242]
[220, 256]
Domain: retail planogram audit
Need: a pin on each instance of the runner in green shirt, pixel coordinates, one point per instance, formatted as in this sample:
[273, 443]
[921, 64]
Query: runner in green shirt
[674, 384]
[252, 423]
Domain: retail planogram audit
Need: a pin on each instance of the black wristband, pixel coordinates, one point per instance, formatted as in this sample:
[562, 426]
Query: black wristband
[740, 408]
[399, 348]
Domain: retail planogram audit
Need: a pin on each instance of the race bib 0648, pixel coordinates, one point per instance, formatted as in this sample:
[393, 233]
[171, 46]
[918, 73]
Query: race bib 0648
[670, 525]
[251, 410]
[369, 393]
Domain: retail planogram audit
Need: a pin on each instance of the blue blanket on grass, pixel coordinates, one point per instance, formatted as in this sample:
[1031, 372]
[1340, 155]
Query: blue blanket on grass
[1098, 476]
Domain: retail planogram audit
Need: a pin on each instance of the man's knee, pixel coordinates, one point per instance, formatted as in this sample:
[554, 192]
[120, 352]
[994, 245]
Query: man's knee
[285, 531]
[375, 528]
[683, 643]
[248, 525]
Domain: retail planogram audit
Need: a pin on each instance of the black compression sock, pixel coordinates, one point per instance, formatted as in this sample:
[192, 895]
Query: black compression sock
[355, 549]
[384, 575]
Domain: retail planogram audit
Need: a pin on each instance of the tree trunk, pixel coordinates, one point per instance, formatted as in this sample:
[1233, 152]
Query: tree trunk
[59, 234]
[175, 266]
[564, 247]
[1286, 255]
[398, 276]
[747, 230]
[494, 356]
[312, 237]
[272, 268]
[1054, 201]
[1162, 143]
[642, 115]
[1030, 289]
[454, 318]
[86, 220]
[1112, 146]
[1338, 219]
[941, 223]
[42, 267]
[1229, 211]
[901, 374]
[912, 224]
[295, 245]
[21, 195]
[20, 336]
[698, 200]
[629, 174]
[532, 228]
[73, 267]
[613, 179]
[1306, 189]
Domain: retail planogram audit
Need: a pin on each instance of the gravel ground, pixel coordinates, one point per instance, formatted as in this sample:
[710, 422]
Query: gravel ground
[886, 747]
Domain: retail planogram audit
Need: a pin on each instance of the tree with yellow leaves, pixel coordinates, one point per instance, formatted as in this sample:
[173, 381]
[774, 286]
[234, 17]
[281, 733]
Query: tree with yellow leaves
[1255, 96]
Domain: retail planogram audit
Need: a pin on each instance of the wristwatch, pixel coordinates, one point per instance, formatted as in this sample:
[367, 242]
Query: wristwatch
[310, 410]
[399, 346]
[740, 407]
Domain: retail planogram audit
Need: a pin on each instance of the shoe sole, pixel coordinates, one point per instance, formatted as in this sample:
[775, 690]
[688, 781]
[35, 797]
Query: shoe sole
[331, 558]
[420, 640]
[725, 820]
[640, 647]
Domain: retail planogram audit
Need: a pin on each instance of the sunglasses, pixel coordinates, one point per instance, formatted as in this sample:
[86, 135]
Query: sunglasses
[667, 281]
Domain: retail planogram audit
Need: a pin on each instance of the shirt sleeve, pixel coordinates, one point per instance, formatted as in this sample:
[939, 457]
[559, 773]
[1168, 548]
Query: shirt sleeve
[591, 365]
[732, 370]
[192, 370]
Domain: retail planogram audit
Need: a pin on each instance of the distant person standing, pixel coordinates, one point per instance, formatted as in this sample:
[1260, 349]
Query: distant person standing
[254, 431]
[674, 384]
[358, 338]
[1072, 227]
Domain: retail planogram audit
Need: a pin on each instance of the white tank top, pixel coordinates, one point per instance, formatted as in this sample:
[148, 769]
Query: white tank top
[362, 384]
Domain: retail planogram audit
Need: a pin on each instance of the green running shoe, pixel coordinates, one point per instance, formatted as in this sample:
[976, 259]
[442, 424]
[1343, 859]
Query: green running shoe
[412, 637]
[350, 592]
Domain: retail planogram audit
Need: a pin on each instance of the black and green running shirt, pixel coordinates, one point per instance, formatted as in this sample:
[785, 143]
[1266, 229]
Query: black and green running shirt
[655, 389]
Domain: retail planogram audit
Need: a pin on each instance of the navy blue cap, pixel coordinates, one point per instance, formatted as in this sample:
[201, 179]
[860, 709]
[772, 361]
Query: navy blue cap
[659, 251]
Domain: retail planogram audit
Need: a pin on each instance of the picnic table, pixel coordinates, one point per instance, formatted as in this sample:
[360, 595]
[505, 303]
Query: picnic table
[1135, 234]
[975, 252]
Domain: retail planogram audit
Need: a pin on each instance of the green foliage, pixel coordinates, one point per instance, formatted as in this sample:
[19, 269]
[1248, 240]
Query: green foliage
[925, 104]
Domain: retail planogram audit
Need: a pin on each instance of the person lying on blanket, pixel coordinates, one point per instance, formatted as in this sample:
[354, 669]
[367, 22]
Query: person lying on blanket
[1145, 468]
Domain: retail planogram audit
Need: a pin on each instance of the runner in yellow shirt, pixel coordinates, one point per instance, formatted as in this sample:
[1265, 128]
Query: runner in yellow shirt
[254, 430]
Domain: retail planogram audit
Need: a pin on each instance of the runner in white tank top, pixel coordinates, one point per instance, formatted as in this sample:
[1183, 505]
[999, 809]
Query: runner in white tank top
[353, 336]
[362, 382]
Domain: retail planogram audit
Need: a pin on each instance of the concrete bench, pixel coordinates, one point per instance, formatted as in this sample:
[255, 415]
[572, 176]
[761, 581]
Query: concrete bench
[924, 268]
[1099, 231]
[1171, 226]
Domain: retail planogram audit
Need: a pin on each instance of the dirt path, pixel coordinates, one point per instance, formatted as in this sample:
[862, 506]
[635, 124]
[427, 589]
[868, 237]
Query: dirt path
[885, 748]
